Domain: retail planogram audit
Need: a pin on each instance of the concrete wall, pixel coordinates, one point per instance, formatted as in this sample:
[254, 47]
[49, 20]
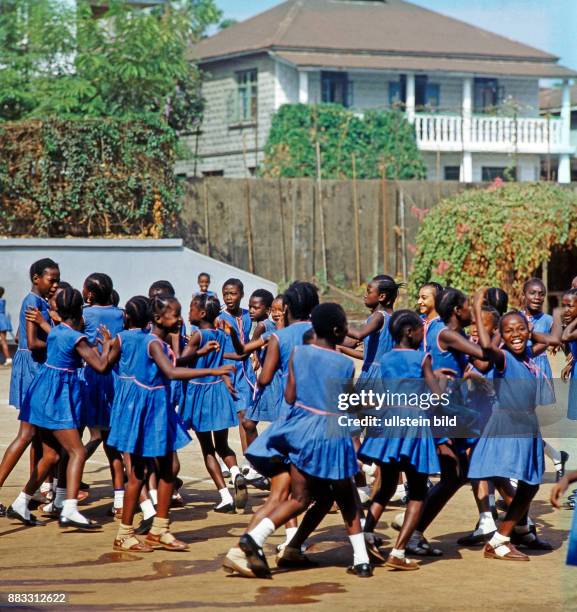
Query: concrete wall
[133, 265]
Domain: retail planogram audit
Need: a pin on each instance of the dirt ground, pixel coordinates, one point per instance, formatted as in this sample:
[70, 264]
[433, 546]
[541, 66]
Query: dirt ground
[83, 566]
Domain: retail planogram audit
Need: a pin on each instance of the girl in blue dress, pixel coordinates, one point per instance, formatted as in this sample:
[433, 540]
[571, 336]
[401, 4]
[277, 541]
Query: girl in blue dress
[299, 300]
[569, 305]
[321, 454]
[410, 448]
[534, 294]
[54, 405]
[450, 351]
[5, 327]
[99, 388]
[143, 422]
[426, 306]
[208, 407]
[31, 352]
[511, 445]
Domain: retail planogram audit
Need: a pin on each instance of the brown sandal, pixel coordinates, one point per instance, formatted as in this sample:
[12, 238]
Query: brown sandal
[171, 543]
[138, 547]
[513, 555]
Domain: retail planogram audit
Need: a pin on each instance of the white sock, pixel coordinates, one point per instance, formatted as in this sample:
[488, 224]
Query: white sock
[399, 553]
[359, 548]
[262, 531]
[147, 508]
[553, 454]
[70, 511]
[499, 543]
[45, 487]
[290, 533]
[234, 472]
[118, 498]
[60, 497]
[486, 524]
[225, 497]
[492, 500]
[153, 494]
[20, 504]
[363, 522]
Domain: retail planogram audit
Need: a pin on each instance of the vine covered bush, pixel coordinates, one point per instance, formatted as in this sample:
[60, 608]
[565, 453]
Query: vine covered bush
[99, 177]
[381, 142]
[497, 236]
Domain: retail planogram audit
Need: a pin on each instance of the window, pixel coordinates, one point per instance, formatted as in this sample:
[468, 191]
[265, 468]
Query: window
[452, 173]
[336, 88]
[487, 94]
[490, 173]
[213, 173]
[245, 105]
[427, 95]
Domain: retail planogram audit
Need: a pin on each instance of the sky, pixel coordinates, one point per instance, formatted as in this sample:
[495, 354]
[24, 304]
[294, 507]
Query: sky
[539, 23]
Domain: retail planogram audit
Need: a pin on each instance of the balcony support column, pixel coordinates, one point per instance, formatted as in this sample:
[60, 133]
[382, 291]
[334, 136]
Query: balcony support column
[303, 87]
[467, 162]
[410, 98]
[564, 174]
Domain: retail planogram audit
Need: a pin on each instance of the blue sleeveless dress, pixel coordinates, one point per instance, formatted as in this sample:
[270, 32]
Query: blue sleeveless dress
[376, 346]
[26, 362]
[259, 452]
[99, 388]
[307, 438]
[267, 402]
[55, 397]
[457, 362]
[572, 400]
[511, 445]
[481, 401]
[402, 372]
[142, 420]
[244, 378]
[5, 323]
[432, 329]
[543, 323]
[208, 405]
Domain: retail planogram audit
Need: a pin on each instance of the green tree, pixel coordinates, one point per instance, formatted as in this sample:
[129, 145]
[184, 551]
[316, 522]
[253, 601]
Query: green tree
[62, 61]
[378, 140]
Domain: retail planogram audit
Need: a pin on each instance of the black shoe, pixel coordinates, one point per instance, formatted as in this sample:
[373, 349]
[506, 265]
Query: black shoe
[255, 555]
[240, 492]
[84, 486]
[29, 522]
[144, 526]
[530, 540]
[423, 549]
[178, 483]
[561, 471]
[226, 509]
[65, 523]
[261, 483]
[475, 539]
[2, 510]
[362, 570]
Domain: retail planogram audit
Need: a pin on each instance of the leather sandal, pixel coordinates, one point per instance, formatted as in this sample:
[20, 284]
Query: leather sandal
[403, 564]
[124, 545]
[170, 543]
[512, 555]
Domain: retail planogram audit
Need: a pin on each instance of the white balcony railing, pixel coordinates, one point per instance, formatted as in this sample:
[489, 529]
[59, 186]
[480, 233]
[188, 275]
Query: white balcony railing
[489, 134]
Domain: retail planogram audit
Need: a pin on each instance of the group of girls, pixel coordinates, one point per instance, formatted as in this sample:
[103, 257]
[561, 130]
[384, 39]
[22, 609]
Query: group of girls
[138, 383]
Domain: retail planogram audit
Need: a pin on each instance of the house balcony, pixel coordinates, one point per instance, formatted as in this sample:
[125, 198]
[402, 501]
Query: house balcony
[489, 134]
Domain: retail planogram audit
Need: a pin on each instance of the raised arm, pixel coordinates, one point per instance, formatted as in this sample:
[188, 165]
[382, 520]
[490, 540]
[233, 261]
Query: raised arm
[490, 351]
[374, 323]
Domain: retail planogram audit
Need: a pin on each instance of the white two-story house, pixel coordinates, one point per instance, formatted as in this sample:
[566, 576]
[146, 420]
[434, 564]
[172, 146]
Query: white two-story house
[473, 96]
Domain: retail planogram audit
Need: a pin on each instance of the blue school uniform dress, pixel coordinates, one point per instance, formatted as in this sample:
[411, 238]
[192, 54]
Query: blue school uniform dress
[511, 445]
[267, 401]
[26, 362]
[572, 402]
[309, 437]
[432, 329]
[542, 323]
[481, 400]
[208, 404]
[178, 387]
[376, 345]
[55, 398]
[99, 388]
[143, 421]
[402, 372]
[244, 378]
[457, 363]
[5, 323]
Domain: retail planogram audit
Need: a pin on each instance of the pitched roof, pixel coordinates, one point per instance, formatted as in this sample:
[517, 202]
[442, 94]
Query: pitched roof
[366, 27]
[550, 98]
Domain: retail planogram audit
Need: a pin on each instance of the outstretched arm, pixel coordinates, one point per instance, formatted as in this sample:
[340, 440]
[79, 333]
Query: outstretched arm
[175, 373]
[374, 323]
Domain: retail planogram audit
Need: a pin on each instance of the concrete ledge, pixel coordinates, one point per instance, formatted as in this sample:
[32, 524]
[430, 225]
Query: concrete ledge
[91, 243]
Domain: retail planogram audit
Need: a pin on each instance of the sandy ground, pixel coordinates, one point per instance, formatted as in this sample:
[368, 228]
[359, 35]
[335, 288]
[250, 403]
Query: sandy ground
[46, 560]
